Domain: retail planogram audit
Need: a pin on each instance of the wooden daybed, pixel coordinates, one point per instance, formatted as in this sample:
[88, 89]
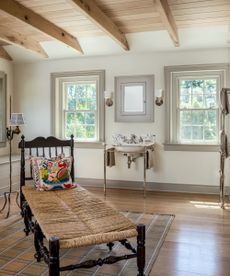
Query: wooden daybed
[72, 217]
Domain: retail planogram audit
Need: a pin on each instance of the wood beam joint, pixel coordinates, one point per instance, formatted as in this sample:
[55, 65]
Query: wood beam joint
[22, 41]
[167, 18]
[28, 16]
[4, 54]
[99, 18]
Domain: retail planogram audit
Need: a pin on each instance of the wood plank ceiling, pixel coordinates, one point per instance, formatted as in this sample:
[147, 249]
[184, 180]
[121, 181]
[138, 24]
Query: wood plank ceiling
[26, 23]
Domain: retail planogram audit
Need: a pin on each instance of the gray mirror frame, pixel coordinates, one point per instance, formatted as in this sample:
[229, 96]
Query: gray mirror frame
[3, 108]
[148, 115]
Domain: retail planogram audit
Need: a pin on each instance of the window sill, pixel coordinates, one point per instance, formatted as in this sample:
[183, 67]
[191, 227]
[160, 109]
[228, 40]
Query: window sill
[89, 145]
[191, 147]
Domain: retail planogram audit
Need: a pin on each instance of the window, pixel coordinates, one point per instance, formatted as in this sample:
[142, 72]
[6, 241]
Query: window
[192, 104]
[197, 110]
[2, 109]
[80, 109]
[78, 105]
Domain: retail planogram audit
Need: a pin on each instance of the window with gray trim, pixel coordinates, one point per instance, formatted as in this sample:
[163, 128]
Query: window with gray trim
[192, 104]
[2, 109]
[78, 109]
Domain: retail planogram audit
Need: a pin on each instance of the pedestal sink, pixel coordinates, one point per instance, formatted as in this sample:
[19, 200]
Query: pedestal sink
[132, 152]
[132, 148]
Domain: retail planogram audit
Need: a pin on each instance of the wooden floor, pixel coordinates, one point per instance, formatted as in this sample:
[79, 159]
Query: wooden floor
[198, 242]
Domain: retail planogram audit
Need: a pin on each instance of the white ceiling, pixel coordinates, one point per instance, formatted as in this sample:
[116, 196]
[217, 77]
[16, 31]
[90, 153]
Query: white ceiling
[190, 38]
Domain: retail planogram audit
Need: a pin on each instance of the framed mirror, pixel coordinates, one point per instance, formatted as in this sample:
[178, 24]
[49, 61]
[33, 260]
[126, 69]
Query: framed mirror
[134, 98]
[2, 109]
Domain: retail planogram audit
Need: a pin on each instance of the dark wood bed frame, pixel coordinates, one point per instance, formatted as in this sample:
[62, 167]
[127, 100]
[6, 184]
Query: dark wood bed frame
[39, 147]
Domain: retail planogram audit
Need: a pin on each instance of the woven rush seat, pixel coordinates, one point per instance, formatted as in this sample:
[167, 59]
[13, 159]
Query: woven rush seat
[76, 217]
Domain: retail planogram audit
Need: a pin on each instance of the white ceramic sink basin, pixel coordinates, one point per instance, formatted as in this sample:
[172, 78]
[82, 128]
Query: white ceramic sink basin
[129, 148]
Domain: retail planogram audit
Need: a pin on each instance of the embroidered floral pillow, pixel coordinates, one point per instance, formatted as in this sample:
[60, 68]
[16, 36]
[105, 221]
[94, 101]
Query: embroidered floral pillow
[35, 169]
[54, 174]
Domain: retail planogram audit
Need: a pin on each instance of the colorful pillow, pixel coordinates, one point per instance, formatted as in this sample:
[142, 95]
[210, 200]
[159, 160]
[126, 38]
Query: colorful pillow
[54, 173]
[35, 169]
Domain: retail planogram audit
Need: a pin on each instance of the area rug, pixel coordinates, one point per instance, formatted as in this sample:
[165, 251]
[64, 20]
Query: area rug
[17, 251]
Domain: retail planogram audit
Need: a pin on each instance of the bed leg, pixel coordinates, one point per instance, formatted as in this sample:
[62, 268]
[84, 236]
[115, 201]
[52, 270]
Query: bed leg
[38, 241]
[54, 257]
[27, 216]
[22, 202]
[141, 249]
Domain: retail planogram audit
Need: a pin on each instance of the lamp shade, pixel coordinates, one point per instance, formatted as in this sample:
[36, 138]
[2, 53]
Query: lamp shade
[108, 94]
[159, 93]
[16, 119]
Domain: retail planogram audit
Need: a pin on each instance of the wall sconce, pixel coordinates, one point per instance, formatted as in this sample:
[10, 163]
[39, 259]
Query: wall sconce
[108, 96]
[16, 120]
[159, 97]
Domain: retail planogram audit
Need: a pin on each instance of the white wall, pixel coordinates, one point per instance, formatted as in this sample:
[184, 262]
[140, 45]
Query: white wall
[7, 67]
[32, 96]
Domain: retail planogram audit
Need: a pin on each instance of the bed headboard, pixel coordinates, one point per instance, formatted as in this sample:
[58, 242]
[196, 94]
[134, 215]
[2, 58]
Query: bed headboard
[41, 146]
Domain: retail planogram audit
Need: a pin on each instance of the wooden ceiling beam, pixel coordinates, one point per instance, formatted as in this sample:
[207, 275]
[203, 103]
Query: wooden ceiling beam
[22, 41]
[3, 43]
[168, 20]
[99, 18]
[35, 20]
[4, 54]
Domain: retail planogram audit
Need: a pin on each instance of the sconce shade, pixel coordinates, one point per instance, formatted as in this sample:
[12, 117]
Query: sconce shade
[159, 93]
[16, 119]
[159, 97]
[108, 95]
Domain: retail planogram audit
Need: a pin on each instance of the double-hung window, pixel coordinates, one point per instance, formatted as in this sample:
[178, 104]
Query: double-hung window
[192, 105]
[78, 105]
[80, 110]
[197, 110]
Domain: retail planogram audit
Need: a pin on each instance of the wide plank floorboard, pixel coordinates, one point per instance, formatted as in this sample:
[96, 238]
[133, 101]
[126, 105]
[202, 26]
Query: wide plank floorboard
[198, 242]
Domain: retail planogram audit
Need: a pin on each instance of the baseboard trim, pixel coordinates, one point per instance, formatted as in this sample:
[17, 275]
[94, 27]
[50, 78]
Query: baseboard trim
[15, 187]
[152, 186]
[135, 185]
[5, 159]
